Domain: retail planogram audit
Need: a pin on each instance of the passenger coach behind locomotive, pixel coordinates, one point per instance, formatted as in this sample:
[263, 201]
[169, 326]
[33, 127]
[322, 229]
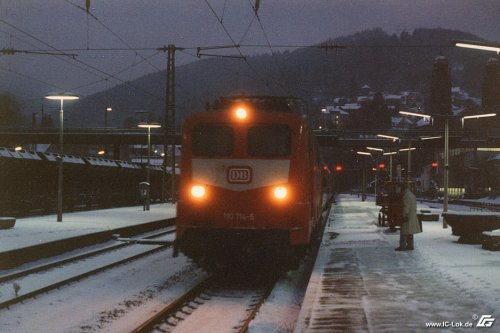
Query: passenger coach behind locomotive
[251, 183]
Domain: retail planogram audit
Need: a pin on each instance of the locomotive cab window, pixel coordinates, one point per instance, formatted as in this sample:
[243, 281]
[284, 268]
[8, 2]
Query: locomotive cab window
[269, 141]
[212, 140]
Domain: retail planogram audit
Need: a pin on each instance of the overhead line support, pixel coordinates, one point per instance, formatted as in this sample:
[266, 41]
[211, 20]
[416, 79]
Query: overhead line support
[169, 134]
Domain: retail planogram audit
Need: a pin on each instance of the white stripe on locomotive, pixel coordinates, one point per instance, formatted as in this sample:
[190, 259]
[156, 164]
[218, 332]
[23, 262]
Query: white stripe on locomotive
[213, 172]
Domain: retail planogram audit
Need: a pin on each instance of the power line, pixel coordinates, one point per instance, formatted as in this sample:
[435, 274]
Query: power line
[77, 60]
[267, 45]
[11, 51]
[258, 76]
[119, 72]
[256, 9]
[256, 15]
[88, 13]
[30, 78]
[247, 29]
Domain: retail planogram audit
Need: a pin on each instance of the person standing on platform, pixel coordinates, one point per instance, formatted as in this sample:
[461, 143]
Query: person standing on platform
[410, 224]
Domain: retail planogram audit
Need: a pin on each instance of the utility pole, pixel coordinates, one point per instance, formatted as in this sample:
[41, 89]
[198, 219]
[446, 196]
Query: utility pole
[169, 119]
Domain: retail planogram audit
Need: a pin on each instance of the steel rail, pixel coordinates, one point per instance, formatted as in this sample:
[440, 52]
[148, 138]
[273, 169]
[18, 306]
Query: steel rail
[85, 255]
[67, 281]
[173, 307]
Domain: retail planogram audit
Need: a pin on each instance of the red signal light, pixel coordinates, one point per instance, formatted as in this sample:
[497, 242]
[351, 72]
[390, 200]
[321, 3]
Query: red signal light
[381, 166]
[434, 164]
[338, 168]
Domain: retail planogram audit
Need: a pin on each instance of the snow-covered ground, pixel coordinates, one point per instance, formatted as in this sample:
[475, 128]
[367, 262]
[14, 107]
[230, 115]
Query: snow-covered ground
[119, 299]
[440, 281]
[41, 229]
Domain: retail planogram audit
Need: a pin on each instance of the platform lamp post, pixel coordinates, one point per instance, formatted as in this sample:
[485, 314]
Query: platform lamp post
[377, 169]
[62, 98]
[106, 110]
[394, 139]
[149, 126]
[477, 116]
[409, 149]
[446, 170]
[390, 162]
[363, 179]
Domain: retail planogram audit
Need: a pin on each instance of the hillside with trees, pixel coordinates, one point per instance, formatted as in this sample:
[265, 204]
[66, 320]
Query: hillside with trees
[385, 62]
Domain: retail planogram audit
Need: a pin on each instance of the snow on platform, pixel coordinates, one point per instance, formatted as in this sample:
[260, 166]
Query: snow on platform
[360, 284]
[41, 229]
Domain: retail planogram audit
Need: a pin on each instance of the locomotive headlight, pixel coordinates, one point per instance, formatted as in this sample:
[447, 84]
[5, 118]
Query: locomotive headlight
[198, 191]
[241, 113]
[280, 192]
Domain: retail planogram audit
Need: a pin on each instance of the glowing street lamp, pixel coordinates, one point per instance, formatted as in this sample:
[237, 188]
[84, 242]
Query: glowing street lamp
[363, 153]
[407, 149]
[430, 137]
[477, 45]
[149, 126]
[106, 110]
[62, 98]
[477, 116]
[414, 114]
[393, 138]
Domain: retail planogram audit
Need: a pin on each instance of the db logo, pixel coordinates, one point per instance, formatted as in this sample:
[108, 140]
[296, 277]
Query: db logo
[239, 175]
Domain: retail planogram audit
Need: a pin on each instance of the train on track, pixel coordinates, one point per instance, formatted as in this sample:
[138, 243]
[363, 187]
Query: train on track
[28, 183]
[252, 185]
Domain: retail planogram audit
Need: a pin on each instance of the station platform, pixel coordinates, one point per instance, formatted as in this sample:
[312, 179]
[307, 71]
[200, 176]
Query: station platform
[39, 231]
[360, 284]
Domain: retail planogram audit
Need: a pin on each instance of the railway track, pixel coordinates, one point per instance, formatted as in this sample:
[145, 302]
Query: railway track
[220, 303]
[225, 301]
[18, 286]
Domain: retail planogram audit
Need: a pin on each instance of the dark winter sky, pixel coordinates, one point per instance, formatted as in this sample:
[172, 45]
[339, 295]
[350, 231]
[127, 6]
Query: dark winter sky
[135, 28]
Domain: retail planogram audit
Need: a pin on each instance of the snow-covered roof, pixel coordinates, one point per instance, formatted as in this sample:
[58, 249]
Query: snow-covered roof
[362, 98]
[4, 152]
[401, 121]
[101, 162]
[494, 158]
[29, 155]
[127, 165]
[351, 106]
[392, 96]
[335, 109]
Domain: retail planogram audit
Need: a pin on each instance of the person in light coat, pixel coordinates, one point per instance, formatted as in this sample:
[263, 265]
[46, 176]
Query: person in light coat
[410, 224]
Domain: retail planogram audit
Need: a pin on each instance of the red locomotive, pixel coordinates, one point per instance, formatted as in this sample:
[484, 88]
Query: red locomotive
[251, 184]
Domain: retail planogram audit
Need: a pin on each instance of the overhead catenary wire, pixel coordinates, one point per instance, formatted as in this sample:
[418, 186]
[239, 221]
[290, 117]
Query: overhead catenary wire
[274, 46]
[239, 46]
[252, 68]
[117, 73]
[88, 13]
[256, 15]
[79, 61]
[31, 78]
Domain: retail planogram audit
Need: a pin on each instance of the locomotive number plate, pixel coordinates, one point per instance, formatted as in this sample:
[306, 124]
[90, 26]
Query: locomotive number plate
[239, 175]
